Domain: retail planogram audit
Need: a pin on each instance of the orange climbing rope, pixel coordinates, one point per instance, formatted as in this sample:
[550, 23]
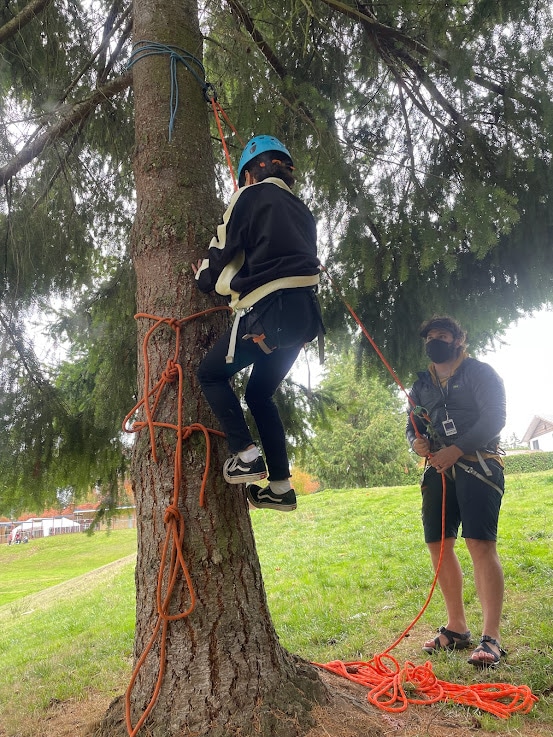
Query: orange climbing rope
[172, 560]
[216, 110]
[393, 687]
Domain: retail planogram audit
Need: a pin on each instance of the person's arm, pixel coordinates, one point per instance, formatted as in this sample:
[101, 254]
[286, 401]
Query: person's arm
[226, 244]
[489, 393]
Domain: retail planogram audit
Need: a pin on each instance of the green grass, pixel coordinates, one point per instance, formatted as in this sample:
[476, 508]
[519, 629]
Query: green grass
[47, 561]
[345, 575]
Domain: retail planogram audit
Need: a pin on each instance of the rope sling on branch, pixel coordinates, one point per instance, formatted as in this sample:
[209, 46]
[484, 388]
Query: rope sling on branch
[391, 687]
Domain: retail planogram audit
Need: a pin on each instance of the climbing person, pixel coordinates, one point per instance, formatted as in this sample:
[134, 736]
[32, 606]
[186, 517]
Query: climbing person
[264, 259]
[457, 414]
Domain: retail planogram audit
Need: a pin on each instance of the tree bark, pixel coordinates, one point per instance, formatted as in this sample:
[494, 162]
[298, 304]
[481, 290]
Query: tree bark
[226, 672]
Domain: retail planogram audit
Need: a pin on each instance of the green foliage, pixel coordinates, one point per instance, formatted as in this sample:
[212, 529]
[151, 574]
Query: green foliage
[528, 462]
[360, 438]
[59, 428]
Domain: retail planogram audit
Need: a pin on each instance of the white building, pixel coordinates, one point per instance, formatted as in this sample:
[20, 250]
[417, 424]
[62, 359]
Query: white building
[43, 527]
[539, 435]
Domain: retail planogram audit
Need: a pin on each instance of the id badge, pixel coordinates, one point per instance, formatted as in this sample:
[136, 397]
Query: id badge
[449, 427]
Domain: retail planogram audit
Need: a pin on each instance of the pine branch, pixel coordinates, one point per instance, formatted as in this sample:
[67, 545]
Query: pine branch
[61, 166]
[30, 363]
[258, 38]
[360, 13]
[418, 101]
[75, 115]
[269, 54]
[29, 13]
[101, 50]
[408, 138]
[109, 27]
[114, 56]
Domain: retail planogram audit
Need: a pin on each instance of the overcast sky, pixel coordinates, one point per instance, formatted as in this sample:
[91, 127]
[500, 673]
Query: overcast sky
[525, 363]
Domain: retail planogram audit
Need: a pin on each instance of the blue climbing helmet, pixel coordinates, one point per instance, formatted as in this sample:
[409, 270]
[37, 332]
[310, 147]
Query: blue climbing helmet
[259, 145]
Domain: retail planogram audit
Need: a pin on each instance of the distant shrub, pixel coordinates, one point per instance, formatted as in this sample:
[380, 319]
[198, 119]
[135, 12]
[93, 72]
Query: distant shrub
[528, 462]
[303, 482]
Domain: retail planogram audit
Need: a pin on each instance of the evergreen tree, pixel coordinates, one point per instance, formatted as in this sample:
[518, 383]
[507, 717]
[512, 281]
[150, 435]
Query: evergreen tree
[360, 439]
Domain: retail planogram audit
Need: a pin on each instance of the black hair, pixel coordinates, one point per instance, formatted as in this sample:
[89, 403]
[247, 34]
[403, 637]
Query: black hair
[269, 164]
[443, 322]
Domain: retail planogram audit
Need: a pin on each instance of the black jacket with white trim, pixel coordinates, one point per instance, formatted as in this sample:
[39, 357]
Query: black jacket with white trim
[266, 242]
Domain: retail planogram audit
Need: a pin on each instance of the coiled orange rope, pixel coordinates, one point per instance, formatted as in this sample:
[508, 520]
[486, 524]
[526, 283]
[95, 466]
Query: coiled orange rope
[172, 560]
[391, 687]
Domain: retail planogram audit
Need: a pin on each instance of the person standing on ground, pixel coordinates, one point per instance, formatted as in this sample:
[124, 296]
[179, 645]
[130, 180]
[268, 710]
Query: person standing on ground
[264, 258]
[464, 400]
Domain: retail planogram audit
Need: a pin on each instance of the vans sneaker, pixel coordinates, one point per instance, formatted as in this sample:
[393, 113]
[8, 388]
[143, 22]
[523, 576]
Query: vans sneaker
[237, 471]
[267, 499]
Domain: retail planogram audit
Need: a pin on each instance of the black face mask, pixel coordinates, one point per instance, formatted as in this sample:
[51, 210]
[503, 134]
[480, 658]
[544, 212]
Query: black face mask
[438, 351]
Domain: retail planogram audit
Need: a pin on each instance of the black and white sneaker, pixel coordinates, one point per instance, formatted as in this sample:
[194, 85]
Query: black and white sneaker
[267, 499]
[237, 471]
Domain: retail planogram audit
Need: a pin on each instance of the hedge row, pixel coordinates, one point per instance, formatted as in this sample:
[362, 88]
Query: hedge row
[528, 462]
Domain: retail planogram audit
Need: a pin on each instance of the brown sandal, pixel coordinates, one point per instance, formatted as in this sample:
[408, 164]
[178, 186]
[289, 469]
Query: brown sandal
[455, 641]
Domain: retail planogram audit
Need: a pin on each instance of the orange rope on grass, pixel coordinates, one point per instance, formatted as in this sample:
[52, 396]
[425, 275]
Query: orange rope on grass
[172, 559]
[392, 687]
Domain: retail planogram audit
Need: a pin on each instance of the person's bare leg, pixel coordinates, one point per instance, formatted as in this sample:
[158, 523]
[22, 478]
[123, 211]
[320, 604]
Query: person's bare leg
[489, 582]
[450, 580]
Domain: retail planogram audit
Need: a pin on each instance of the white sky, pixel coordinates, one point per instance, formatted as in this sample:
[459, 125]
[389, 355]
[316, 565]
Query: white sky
[524, 363]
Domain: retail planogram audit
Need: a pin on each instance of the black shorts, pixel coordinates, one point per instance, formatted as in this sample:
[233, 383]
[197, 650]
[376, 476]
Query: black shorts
[470, 502]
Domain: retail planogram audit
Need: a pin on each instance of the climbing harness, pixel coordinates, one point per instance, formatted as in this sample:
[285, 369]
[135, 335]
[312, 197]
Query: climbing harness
[473, 472]
[259, 340]
[437, 441]
[233, 333]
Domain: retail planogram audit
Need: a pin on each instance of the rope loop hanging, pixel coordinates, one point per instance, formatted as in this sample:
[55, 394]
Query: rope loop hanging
[173, 566]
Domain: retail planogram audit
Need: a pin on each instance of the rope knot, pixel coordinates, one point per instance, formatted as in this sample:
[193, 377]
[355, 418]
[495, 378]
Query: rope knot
[172, 512]
[171, 373]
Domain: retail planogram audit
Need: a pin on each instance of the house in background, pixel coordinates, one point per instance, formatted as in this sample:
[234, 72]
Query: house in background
[539, 435]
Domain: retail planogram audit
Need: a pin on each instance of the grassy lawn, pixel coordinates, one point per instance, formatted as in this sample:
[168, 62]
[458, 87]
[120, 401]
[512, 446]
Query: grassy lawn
[47, 561]
[345, 575]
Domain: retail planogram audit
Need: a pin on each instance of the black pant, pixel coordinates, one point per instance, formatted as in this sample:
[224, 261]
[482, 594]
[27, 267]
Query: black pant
[288, 319]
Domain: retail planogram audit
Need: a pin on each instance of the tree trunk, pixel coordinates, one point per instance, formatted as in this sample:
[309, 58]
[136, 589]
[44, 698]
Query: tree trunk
[226, 672]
